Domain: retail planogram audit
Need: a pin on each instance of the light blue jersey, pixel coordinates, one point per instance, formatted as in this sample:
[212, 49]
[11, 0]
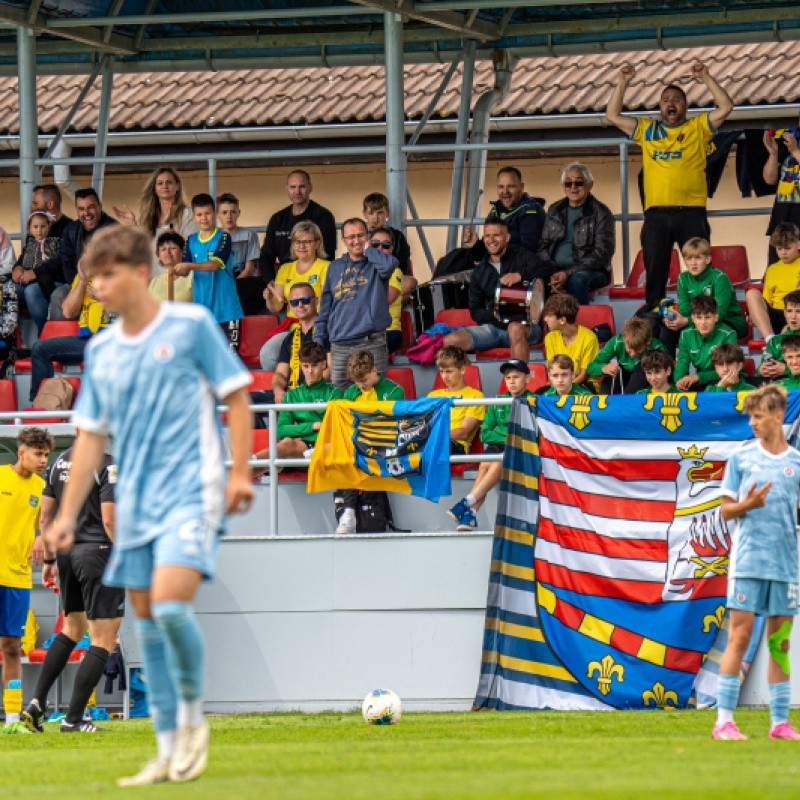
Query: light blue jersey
[765, 540]
[156, 394]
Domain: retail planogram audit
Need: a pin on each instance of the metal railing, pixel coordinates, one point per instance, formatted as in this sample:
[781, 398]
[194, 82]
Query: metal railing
[25, 418]
[622, 145]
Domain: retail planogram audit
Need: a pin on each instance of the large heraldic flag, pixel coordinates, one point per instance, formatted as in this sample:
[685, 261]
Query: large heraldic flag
[608, 578]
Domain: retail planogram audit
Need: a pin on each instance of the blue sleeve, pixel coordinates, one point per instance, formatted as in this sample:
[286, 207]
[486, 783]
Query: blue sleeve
[732, 480]
[89, 412]
[221, 368]
[321, 322]
[384, 265]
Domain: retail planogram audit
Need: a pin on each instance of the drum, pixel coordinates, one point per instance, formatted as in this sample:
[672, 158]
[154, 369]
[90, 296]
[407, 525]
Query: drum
[521, 302]
[430, 298]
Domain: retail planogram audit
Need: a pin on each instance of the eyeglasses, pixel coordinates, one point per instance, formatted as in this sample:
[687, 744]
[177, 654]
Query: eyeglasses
[353, 237]
[382, 245]
[297, 301]
[574, 184]
[305, 242]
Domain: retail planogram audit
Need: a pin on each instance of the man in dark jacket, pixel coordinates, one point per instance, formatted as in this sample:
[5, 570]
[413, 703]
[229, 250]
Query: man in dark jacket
[578, 238]
[499, 266]
[522, 213]
[276, 249]
[354, 305]
[76, 236]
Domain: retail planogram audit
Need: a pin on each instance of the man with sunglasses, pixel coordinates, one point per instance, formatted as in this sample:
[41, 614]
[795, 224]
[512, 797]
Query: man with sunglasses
[673, 168]
[354, 306]
[578, 238]
[381, 238]
[288, 374]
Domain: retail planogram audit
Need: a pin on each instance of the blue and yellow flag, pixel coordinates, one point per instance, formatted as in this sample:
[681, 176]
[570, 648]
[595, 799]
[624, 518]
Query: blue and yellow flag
[401, 446]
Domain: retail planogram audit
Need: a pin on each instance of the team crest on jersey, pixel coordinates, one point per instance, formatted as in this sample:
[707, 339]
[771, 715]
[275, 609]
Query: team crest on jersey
[164, 352]
[788, 471]
[34, 501]
[112, 473]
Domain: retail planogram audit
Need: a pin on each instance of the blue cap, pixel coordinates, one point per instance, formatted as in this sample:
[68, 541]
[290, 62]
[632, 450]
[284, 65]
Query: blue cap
[514, 363]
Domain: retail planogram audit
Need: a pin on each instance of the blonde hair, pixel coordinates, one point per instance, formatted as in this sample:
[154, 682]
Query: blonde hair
[150, 205]
[696, 246]
[118, 244]
[770, 398]
[637, 333]
[562, 361]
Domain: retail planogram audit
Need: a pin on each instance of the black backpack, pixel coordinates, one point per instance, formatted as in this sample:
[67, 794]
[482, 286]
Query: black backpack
[373, 512]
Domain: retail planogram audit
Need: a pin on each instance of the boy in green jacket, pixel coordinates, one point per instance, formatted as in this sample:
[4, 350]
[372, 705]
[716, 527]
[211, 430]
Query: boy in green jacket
[728, 361]
[697, 343]
[619, 362]
[701, 278]
[298, 430]
[791, 352]
[773, 364]
[493, 436]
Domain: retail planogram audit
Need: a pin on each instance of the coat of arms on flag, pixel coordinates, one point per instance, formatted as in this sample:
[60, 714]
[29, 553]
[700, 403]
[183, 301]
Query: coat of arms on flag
[628, 550]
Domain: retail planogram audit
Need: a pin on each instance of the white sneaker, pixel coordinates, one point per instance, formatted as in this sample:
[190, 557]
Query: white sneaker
[347, 522]
[154, 771]
[308, 453]
[191, 753]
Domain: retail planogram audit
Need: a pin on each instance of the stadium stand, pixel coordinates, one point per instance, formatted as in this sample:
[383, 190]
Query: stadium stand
[634, 286]
[254, 331]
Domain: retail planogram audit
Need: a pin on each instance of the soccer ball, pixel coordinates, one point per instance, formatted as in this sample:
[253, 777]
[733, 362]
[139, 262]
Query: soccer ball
[381, 707]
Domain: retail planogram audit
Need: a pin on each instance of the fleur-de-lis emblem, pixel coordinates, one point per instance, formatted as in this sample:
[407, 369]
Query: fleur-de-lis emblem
[671, 408]
[719, 566]
[581, 407]
[716, 618]
[660, 697]
[606, 670]
[740, 396]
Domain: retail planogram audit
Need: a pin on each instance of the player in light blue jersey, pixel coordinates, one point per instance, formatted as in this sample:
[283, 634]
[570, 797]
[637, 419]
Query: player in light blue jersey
[152, 381]
[760, 491]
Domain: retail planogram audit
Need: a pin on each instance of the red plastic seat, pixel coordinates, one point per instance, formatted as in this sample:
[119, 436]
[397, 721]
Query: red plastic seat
[749, 367]
[289, 475]
[407, 329]
[38, 655]
[262, 382]
[592, 316]
[536, 379]
[756, 345]
[634, 286]
[75, 383]
[455, 317]
[54, 329]
[405, 377]
[749, 332]
[8, 396]
[472, 377]
[254, 331]
[732, 260]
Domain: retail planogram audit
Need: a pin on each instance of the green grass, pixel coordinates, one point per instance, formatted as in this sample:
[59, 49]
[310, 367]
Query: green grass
[488, 755]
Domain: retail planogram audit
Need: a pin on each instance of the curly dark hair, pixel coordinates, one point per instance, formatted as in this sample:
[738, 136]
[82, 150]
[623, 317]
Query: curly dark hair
[36, 439]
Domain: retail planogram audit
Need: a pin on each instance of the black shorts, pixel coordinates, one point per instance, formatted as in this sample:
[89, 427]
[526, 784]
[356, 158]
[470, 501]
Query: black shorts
[80, 574]
[494, 448]
[457, 449]
[776, 319]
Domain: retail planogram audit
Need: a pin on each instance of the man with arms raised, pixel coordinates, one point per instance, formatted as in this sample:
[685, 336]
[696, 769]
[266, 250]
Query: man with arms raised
[674, 165]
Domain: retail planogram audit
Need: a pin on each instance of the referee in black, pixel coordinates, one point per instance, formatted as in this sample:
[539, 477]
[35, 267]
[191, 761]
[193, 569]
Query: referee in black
[87, 602]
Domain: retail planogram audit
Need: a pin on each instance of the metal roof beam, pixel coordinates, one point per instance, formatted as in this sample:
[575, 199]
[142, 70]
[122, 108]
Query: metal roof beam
[463, 5]
[113, 13]
[485, 31]
[18, 17]
[659, 21]
[149, 18]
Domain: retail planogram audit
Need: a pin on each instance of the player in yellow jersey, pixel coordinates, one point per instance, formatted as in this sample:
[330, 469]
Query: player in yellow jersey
[674, 161]
[20, 549]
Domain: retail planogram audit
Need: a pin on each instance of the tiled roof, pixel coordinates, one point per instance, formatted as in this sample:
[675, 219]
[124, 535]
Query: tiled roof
[752, 74]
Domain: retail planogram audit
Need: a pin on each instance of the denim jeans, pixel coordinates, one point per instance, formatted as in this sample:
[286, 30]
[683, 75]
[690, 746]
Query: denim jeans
[38, 305]
[580, 284]
[67, 350]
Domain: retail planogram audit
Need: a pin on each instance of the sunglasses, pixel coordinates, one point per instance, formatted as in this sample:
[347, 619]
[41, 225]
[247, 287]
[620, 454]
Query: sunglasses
[296, 301]
[574, 184]
[382, 245]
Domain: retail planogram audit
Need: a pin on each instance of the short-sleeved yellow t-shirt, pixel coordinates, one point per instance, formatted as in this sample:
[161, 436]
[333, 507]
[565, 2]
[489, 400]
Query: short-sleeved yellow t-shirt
[20, 504]
[459, 413]
[288, 276]
[396, 306]
[780, 279]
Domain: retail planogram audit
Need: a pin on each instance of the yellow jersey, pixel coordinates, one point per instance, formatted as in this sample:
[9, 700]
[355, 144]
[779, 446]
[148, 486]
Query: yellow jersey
[20, 504]
[288, 276]
[396, 306]
[582, 349]
[459, 413]
[674, 160]
[780, 279]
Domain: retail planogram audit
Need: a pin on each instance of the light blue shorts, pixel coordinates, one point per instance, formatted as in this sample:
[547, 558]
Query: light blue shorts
[193, 544]
[770, 598]
[486, 337]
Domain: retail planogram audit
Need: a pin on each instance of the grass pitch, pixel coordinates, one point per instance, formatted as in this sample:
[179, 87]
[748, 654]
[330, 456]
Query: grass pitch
[456, 755]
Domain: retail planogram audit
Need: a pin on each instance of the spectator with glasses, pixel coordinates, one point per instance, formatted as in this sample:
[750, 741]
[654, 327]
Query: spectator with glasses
[309, 266]
[578, 238]
[354, 307]
[381, 238]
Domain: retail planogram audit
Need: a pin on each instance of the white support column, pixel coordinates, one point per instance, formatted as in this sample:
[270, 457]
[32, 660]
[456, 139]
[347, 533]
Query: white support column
[29, 174]
[395, 117]
[104, 114]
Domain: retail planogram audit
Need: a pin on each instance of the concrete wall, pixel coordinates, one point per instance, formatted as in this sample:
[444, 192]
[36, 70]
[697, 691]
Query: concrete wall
[342, 188]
